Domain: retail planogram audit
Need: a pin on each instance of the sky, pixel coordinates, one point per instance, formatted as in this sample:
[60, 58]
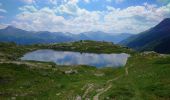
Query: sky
[76, 16]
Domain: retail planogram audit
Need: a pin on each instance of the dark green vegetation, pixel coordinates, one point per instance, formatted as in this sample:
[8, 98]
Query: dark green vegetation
[11, 51]
[155, 39]
[90, 46]
[145, 77]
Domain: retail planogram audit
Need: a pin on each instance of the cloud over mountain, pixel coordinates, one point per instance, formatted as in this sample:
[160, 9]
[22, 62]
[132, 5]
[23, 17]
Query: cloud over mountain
[78, 16]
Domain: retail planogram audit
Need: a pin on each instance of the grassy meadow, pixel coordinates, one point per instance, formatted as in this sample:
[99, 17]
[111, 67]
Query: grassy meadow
[145, 76]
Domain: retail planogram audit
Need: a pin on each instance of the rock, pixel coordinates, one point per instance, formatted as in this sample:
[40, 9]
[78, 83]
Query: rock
[55, 69]
[163, 55]
[149, 53]
[99, 90]
[107, 98]
[99, 75]
[58, 94]
[73, 48]
[13, 98]
[71, 72]
[78, 98]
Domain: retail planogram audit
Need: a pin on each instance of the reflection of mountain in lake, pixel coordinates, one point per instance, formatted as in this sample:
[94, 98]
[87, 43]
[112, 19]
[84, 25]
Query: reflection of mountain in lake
[75, 58]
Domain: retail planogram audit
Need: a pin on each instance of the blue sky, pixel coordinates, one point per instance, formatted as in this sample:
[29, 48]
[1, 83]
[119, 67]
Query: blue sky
[76, 16]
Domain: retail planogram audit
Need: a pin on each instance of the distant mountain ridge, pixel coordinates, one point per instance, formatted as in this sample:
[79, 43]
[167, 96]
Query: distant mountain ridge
[19, 36]
[102, 36]
[155, 39]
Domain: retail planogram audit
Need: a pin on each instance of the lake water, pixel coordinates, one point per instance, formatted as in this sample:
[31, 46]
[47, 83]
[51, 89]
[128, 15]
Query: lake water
[76, 58]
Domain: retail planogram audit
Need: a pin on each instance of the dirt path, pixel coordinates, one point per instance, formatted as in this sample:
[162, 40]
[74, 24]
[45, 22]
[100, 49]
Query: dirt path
[89, 88]
[113, 79]
[96, 97]
[126, 71]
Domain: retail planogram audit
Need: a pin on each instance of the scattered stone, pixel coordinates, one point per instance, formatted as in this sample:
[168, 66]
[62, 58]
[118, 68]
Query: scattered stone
[163, 55]
[13, 98]
[73, 48]
[99, 90]
[107, 98]
[50, 66]
[78, 98]
[24, 94]
[71, 72]
[99, 75]
[55, 69]
[149, 53]
[58, 94]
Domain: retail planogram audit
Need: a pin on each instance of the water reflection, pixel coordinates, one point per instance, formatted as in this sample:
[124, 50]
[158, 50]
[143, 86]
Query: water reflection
[76, 58]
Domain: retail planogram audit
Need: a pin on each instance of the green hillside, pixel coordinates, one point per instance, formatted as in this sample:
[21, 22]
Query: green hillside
[90, 47]
[155, 39]
[145, 77]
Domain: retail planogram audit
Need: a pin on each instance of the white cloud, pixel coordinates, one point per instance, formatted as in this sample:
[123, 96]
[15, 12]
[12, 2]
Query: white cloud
[136, 18]
[73, 1]
[46, 19]
[132, 19]
[28, 8]
[119, 1]
[62, 1]
[87, 1]
[43, 19]
[3, 10]
[1, 17]
[28, 1]
[53, 2]
[164, 1]
[68, 8]
[109, 0]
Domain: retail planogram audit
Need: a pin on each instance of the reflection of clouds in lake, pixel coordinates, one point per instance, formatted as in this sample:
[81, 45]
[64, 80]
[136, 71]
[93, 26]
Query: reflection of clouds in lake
[75, 58]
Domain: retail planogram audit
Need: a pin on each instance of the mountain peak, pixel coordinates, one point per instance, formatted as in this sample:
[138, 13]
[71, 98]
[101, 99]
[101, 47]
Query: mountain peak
[10, 27]
[166, 21]
[163, 24]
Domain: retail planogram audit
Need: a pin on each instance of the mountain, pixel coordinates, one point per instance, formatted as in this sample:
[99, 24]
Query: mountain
[102, 36]
[19, 36]
[155, 39]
